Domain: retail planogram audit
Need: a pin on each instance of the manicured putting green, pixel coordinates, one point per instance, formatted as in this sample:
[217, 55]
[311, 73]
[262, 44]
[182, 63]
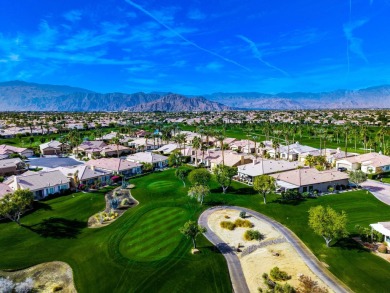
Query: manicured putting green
[155, 235]
[159, 185]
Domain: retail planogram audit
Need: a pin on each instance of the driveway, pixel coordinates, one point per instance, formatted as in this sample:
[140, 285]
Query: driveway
[380, 190]
[236, 274]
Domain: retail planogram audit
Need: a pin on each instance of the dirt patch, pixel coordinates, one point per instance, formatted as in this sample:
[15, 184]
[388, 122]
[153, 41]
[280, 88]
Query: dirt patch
[121, 194]
[275, 252]
[48, 277]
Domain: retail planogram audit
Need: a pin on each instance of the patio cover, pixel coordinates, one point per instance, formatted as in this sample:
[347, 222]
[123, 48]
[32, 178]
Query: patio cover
[286, 185]
[382, 228]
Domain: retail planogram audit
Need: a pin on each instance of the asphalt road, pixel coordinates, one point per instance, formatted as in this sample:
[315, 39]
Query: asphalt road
[236, 274]
[380, 190]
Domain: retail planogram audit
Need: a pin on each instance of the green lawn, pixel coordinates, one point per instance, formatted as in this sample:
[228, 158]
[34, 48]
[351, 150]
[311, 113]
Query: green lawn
[143, 250]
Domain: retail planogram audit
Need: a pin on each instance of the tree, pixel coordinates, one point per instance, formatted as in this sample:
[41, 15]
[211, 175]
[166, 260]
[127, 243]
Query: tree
[199, 192]
[224, 175]
[199, 177]
[191, 230]
[357, 177]
[13, 206]
[264, 184]
[196, 145]
[175, 159]
[327, 223]
[146, 167]
[182, 173]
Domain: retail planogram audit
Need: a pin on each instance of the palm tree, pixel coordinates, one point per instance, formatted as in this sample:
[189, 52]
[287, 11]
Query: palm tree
[275, 146]
[196, 144]
[221, 137]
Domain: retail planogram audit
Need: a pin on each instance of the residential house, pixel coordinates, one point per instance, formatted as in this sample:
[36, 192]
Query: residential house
[113, 149]
[231, 159]
[169, 148]
[8, 150]
[143, 144]
[310, 179]
[53, 147]
[42, 183]
[158, 161]
[12, 167]
[243, 146]
[5, 189]
[292, 151]
[374, 163]
[86, 175]
[116, 166]
[258, 167]
[91, 147]
[384, 229]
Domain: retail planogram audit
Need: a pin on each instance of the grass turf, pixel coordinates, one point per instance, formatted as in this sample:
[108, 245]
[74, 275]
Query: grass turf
[143, 250]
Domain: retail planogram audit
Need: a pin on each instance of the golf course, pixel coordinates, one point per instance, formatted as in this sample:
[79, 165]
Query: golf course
[143, 250]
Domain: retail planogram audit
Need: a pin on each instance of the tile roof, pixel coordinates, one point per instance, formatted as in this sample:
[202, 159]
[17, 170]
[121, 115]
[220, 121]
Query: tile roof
[113, 164]
[310, 176]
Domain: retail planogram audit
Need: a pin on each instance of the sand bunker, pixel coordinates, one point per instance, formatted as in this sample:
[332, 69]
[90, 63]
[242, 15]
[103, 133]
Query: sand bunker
[48, 277]
[275, 252]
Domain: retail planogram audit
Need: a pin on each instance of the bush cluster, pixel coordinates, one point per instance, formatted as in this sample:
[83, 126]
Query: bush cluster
[278, 275]
[227, 225]
[243, 223]
[237, 223]
[253, 235]
[382, 248]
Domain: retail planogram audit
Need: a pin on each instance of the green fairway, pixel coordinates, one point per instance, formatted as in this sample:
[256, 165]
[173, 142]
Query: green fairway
[155, 235]
[143, 251]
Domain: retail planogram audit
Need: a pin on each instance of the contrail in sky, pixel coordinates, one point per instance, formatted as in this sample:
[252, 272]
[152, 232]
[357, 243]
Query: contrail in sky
[258, 55]
[140, 8]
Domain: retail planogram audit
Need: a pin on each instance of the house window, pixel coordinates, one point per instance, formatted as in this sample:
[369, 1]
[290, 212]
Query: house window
[51, 190]
[305, 189]
[310, 188]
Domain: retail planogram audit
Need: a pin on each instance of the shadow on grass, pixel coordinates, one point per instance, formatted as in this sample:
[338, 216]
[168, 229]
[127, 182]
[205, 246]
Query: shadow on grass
[350, 244]
[242, 191]
[291, 202]
[210, 248]
[58, 228]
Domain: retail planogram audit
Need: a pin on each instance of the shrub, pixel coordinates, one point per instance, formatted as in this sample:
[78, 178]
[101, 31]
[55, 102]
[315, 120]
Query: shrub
[243, 214]
[253, 235]
[227, 225]
[306, 284]
[114, 203]
[243, 223]
[382, 248]
[279, 275]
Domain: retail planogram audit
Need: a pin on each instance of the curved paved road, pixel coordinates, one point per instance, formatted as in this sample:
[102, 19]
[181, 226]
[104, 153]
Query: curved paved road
[380, 190]
[236, 274]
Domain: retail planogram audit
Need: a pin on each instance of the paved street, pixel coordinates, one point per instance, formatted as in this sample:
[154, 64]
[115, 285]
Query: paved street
[235, 270]
[380, 190]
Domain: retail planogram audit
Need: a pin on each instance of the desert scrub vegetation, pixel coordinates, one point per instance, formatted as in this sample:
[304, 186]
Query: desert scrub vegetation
[250, 235]
[237, 223]
[228, 225]
[278, 275]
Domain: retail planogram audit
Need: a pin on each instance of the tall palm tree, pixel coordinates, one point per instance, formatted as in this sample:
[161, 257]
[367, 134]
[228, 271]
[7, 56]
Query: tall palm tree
[196, 144]
[221, 137]
[275, 146]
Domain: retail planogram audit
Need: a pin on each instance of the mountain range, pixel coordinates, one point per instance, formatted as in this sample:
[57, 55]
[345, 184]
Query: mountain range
[25, 96]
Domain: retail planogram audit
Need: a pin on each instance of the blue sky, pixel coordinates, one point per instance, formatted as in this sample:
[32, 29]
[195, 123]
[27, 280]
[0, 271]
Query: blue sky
[197, 47]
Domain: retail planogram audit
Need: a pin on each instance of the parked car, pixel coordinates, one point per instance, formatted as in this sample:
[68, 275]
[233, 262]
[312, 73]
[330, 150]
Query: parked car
[341, 169]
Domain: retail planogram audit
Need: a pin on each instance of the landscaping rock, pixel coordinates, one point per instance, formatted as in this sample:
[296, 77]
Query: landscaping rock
[195, 251]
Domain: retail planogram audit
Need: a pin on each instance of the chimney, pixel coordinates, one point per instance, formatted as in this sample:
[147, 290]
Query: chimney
[92, 167]
[254, 162]
[242, 160]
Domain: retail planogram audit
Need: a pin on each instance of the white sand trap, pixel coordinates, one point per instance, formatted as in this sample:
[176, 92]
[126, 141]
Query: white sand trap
[262, 260]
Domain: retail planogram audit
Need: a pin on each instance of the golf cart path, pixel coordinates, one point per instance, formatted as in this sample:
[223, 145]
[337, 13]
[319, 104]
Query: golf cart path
[380, 190]
[236, 274]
